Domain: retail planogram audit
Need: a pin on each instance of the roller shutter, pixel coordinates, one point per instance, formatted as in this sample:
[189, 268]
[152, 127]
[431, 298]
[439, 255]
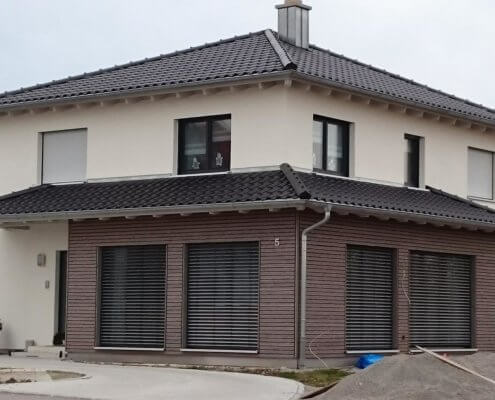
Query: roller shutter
[132, 297]
[440, 290]
[222, 296]
[369, 299]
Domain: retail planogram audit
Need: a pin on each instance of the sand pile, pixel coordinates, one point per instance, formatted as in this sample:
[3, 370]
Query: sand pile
[419, 377]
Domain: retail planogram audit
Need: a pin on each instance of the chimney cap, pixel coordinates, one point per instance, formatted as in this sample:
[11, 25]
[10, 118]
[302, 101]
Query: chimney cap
[293, 3]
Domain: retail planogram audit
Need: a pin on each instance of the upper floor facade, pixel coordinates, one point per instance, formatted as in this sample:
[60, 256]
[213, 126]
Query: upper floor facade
[248, 103]
[238, 129]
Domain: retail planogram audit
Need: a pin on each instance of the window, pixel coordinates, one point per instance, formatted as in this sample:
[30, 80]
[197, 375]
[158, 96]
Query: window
[204, 145]
[223, 296]
[132, 297]
[63, 156]
[331, 146]
[441, 300]
[480, 174]
[413, 161]
[369, 299]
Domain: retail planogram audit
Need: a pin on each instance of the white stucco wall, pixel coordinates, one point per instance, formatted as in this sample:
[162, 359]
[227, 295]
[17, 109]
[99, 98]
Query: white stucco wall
[27, 308]
[269, 127]
[379, 140]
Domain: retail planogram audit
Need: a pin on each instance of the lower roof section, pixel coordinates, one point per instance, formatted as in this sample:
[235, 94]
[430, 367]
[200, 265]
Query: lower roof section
[283, 188]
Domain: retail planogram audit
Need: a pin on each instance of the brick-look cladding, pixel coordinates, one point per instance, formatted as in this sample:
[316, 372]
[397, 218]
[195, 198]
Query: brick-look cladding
[327, 275]
[277, 277]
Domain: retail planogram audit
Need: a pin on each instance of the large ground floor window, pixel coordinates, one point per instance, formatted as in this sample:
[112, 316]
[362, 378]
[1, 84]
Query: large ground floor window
[369, 299]
[440, 311]
[223, 296]
[132, 297]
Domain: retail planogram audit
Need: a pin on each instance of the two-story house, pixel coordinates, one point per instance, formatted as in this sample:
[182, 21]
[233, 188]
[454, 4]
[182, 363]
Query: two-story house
[254, 201]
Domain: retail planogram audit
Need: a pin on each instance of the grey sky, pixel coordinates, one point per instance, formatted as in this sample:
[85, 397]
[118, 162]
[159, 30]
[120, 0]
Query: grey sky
[446, 44]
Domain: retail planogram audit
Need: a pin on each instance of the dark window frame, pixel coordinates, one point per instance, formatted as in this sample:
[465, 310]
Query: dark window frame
[472, 290]
[417, 183]
[394, 295]
[98, 317]
[346, 145]
[185, 294]
[209, 122]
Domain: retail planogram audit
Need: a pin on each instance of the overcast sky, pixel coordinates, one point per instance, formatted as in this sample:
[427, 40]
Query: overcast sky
[446, 44]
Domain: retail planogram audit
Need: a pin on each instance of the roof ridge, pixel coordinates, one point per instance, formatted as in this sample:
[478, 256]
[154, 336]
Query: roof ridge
[297, 183]
[128, 64]
[285, 58]
[24, 191]
[408, 80]
[460, 199]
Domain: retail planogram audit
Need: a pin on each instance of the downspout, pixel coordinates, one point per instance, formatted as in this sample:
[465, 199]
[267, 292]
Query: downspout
[304, 251]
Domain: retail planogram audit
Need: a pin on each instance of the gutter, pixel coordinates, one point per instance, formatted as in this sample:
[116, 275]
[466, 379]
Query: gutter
[301, 203]
[304, 262]
[155, 211]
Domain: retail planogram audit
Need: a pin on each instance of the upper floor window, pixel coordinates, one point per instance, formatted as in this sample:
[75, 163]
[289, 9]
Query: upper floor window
[204, 144]
[63, 156]
[331, 146]
[413, 171]
[480, 173]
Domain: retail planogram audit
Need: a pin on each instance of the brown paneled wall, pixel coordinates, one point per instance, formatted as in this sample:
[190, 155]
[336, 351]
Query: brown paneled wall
[327, 275]
[277, 274]
[278, 284]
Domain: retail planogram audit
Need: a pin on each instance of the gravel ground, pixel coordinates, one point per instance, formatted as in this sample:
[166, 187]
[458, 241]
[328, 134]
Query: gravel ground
[419, 377]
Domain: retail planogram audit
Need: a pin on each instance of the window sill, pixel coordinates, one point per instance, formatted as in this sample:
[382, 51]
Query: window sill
[481, 199]
[219, 351]
[415, 351]
[189, 174]
[351, 352]
[128, 349]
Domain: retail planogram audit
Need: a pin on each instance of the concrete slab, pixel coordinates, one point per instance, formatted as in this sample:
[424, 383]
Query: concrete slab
[109, 382]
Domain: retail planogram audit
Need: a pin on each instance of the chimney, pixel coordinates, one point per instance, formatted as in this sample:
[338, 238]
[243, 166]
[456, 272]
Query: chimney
[293, 22]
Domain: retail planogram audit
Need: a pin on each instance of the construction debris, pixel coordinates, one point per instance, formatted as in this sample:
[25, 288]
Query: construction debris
[418, 377]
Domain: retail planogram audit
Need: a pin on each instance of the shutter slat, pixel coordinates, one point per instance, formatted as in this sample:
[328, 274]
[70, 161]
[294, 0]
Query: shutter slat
[223, 296]
[132, 298]
[440, 289]
[369, 295]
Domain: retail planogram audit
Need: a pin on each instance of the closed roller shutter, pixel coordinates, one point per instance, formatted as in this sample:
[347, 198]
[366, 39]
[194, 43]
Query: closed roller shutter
[440, 312]
[132, 297]
[222, 296]
[369, 297]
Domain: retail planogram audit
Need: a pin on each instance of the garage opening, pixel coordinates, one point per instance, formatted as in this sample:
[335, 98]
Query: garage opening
[223, 296]
[132, 297]
[441, 303]
[369, 298]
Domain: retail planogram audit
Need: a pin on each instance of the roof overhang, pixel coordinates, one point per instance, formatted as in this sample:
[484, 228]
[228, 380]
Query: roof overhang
[231, 83]
[23, 220]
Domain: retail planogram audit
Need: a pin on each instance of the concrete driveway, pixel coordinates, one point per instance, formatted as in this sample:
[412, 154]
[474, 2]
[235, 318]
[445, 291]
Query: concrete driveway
[145, 383]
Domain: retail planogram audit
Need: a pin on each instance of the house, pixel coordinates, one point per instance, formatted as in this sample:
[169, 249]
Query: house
[254, 201]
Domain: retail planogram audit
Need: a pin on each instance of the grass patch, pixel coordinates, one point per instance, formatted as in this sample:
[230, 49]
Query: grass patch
[315, 378]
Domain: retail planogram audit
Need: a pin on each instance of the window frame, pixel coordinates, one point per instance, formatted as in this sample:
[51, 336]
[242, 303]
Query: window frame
[185, 293]
[346, 145]
[420, 143]
[492, 153]
[41, 155]
[99, 269]
[181, 142]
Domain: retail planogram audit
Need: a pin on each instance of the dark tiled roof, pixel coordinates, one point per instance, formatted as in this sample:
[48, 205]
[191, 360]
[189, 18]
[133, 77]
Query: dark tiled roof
[243, 56]
[432, 202]
[150, 193]
[331, 67]
[254, 55]
[240, 188]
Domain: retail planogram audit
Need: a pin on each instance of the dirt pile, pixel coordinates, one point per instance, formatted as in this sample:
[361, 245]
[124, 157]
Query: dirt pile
[419, 377]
